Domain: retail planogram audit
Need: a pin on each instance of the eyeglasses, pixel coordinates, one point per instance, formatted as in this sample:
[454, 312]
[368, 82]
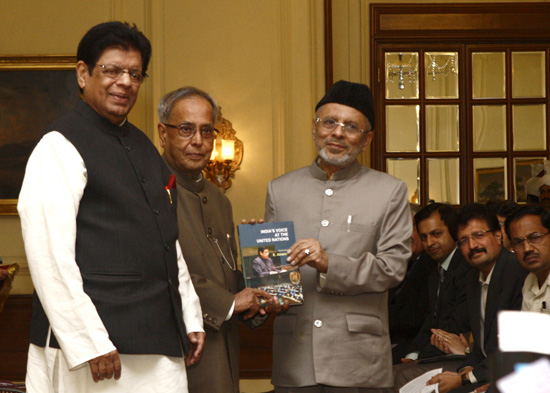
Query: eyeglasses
[187, 131]
[533, 238]
[349, 129]
[476, 236]
[115, 72]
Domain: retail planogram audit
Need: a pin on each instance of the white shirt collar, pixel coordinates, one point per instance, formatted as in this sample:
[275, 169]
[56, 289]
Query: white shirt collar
[447, 261]
[488, 280]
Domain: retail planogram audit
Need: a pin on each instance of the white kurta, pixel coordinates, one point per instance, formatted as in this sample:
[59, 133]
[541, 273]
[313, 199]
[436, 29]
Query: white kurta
[48, 205]
[535, 298]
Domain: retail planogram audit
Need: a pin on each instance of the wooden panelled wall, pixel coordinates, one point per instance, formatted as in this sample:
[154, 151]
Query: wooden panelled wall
[15, 328]
[15, 324]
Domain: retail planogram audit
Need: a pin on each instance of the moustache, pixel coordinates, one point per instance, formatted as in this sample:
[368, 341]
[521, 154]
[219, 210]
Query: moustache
[339, 141]
[475, 251]
[545, 199]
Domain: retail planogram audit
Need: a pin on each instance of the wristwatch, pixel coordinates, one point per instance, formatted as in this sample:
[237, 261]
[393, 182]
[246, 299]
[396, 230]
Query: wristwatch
[465, 380]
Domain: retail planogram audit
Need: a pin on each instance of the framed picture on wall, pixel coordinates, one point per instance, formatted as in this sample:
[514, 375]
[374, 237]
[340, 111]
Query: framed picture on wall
[490, 184]
[34, 91]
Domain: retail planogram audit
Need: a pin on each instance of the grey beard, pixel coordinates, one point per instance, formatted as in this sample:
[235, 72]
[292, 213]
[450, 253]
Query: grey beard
[340, 162]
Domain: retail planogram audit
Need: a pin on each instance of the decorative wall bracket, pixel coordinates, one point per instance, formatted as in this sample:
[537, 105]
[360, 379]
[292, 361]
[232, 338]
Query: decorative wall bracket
[226, 156]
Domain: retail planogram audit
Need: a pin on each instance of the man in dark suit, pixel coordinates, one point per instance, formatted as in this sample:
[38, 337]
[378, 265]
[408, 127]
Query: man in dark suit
[437, 228]
[436, 225]
[409, 302]
[493, 285]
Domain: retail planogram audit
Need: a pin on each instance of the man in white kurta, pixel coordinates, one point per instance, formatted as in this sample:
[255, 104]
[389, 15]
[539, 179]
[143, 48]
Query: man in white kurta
[105, 311]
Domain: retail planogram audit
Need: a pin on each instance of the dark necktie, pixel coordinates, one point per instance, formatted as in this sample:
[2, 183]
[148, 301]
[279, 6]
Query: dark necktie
[441, 278]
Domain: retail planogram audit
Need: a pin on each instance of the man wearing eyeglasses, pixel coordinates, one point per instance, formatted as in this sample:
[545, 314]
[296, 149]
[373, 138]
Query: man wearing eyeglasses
[528, 229]
[354, 228]
[207, 237]
[113, 294]
[494, 284]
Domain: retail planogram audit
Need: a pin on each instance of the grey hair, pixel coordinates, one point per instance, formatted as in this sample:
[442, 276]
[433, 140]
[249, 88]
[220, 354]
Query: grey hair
[169, 100]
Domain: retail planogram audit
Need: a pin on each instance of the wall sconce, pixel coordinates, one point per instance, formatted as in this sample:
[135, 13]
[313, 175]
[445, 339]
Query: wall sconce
[226, 156]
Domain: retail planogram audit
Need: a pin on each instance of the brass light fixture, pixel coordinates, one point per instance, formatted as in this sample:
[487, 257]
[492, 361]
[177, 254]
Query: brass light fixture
[226, 156]
[441, 64]
[401, 69]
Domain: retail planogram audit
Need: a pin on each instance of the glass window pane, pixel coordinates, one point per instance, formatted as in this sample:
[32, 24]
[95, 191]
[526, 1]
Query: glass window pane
[407, 170]
[527, 172]
[443, 180]
[528, 74]
[442, 128]
[441, 74]
[402, 128]
[401, 75]
[489, 127]
[529, 122]
[490, 179]
[488, 75]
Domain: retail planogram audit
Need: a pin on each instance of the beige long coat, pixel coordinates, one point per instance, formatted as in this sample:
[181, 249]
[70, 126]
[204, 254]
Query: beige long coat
[339, 336]
[205, 220]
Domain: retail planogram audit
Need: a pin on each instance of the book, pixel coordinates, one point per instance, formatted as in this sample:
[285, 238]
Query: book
[264, 250]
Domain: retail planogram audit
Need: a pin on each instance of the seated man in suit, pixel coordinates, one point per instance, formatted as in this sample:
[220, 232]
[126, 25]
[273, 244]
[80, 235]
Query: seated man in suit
[527, 229]
[408, 303]
[436, 225]
[503, 209]
[493, 285]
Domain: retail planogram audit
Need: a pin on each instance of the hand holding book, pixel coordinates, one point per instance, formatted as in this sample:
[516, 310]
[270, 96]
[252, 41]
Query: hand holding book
[308, 251]
[250, 301]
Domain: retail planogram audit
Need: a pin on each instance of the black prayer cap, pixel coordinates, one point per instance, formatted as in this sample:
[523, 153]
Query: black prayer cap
[355, 95]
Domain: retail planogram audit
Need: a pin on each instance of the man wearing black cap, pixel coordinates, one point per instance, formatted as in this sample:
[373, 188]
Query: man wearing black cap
[353, 225]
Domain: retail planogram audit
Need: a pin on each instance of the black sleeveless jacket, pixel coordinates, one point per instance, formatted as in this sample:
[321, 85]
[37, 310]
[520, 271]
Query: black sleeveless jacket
[126, 234]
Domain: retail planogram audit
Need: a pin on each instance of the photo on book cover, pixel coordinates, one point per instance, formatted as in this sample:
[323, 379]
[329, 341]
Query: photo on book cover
[263, 255]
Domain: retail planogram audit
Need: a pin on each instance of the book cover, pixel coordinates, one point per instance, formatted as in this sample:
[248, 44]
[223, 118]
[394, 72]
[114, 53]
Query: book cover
[264, 249]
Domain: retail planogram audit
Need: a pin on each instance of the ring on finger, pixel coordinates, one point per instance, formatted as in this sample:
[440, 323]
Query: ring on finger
[307, 251]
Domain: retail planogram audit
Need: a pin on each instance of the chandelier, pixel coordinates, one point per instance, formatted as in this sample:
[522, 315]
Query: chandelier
[434, 69]
[402, 69]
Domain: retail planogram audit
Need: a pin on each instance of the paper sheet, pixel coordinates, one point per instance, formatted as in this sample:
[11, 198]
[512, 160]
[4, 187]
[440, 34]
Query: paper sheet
[418, 385]
[523, 331]
[532, 378]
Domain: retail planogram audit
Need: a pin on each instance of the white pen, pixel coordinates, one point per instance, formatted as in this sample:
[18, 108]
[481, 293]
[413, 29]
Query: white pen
[349, 223]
